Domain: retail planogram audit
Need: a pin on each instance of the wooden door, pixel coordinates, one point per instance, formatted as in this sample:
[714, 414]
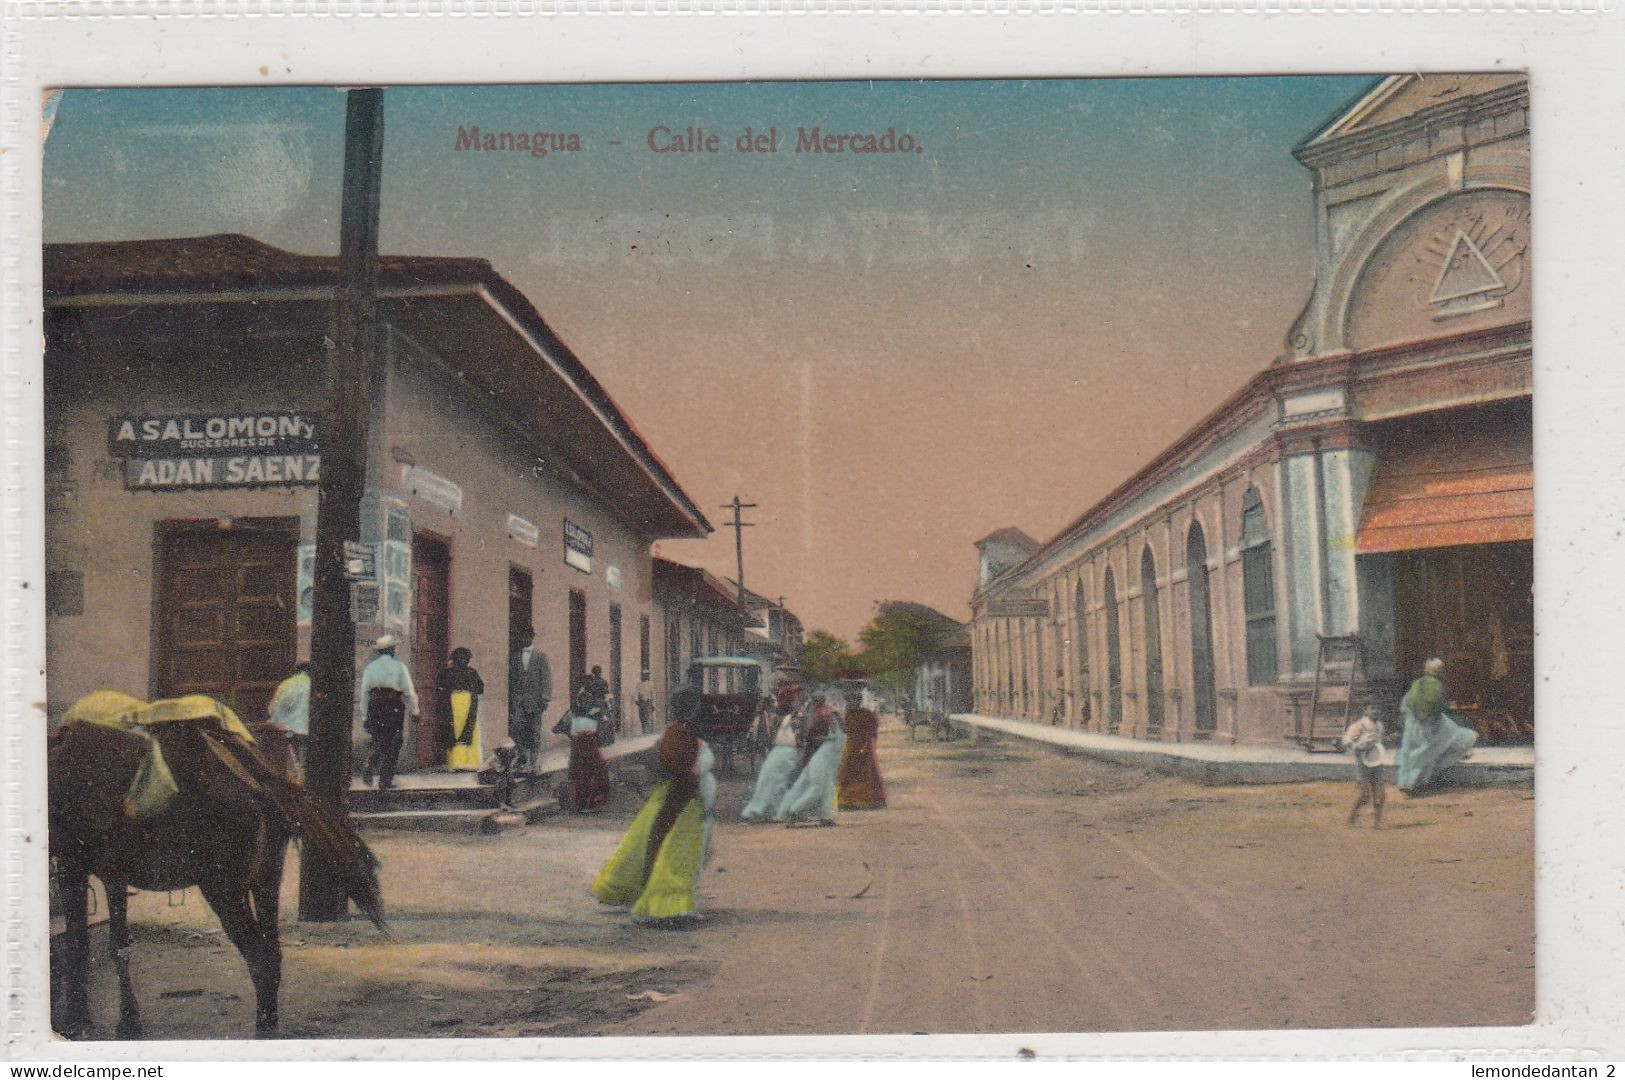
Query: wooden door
[615, 684]
[431, 643]
[227, 622]
[578, 639]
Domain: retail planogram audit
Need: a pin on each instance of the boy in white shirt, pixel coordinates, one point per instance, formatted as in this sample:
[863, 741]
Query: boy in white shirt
[1363, 739]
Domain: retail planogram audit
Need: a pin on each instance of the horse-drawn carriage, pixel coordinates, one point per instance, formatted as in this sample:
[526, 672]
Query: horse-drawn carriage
[731, 710]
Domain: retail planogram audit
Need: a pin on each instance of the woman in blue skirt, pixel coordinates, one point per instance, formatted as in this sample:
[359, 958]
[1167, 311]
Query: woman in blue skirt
[773, 779]
[812, 795]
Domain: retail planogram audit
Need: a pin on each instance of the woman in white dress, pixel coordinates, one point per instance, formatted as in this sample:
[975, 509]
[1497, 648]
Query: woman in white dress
[773, 778]
[812, 796]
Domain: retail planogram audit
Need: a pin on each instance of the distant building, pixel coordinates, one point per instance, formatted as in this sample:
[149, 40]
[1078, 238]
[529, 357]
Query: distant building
[699, 616]
[1374, 481]
[505, 490]
[776, 632]
[942, 678]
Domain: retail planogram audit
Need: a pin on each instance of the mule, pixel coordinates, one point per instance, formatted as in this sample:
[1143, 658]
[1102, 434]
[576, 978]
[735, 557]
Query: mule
[226, 831]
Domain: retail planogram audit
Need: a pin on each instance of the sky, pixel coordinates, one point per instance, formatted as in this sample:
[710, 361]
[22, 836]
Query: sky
[892, 354]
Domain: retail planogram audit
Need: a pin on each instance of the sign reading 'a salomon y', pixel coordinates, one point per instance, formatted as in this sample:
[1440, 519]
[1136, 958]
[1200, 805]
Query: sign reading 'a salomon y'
[217, 450]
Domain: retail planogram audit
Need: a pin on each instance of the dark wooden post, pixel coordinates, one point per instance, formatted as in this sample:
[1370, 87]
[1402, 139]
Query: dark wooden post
[352, 346]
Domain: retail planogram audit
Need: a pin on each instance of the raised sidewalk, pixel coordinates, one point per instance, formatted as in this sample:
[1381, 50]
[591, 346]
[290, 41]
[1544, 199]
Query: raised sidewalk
[1213, 763]
[458, 802]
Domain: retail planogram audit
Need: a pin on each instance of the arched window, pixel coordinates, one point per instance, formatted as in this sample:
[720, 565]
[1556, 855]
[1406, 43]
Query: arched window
[1114, 657]
[1080, 646]
[1258, 589]
[1008, 658]
[1153, 644]
[1201, 629]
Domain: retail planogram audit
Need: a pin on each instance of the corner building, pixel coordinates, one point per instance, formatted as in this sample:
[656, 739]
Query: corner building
[505, 490]
[1375, 480]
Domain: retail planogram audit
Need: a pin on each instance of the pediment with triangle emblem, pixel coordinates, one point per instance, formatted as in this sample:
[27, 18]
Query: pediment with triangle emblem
[1461, 263]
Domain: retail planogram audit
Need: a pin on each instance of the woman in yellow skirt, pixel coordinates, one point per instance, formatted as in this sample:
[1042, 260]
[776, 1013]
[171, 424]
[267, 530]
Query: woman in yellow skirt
[658, 861]
[462, 688]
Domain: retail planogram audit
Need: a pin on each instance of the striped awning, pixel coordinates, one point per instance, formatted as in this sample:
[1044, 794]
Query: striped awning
[1449, 486]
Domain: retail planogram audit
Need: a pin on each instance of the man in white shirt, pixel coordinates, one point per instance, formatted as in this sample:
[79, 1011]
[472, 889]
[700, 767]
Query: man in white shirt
[388, 696]
[290, 709]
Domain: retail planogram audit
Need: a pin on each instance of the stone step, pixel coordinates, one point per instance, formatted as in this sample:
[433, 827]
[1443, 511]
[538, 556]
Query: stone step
[486, 820]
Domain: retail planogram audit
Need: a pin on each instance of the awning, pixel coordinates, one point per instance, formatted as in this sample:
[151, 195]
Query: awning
[1448, 486]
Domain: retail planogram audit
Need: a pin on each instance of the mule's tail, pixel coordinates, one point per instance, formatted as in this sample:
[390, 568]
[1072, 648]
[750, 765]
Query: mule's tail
[324, 829]
[329, 833]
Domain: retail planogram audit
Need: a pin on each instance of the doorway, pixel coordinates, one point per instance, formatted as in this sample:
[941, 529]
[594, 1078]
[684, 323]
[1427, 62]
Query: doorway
[227, 624]
[615, 666]
[1201, 632]
[1473, 607]
[578, 639]
[431, 641]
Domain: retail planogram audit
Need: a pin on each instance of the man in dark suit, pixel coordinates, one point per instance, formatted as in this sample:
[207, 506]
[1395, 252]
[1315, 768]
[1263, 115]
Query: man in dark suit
[530, 689]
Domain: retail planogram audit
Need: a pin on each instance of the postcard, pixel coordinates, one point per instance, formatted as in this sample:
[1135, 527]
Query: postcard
[527, 562]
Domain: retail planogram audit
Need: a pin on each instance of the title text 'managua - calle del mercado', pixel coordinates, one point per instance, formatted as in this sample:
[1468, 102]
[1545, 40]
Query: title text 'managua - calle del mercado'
[1367, 496]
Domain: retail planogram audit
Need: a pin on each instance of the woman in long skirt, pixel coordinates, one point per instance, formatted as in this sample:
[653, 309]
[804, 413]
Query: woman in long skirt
[857, 783]
[589, 775]
[812, 795]
[773, 779]
[658, 861]
[1431, 740]
[462, 686]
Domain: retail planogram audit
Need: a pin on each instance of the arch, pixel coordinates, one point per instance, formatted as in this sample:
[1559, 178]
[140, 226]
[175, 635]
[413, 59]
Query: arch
[1080, 651]
[1114, 656]
[1258, 588]
[1153, 643]
[1203, 696]
[1008, 658]
[1332, 333]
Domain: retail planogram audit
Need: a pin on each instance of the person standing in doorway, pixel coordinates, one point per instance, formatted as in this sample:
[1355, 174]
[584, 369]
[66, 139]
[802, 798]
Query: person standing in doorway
[462, 686]
[388, 696]
[646, 706]
[530, 690]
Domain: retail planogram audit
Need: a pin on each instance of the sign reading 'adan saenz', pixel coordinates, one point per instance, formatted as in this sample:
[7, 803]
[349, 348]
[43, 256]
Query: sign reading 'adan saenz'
[213, 451]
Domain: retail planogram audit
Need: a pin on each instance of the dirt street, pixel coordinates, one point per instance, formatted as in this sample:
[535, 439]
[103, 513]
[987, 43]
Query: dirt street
[1008, 888]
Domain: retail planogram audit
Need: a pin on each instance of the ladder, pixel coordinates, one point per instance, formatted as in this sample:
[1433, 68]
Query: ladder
[1331, 709]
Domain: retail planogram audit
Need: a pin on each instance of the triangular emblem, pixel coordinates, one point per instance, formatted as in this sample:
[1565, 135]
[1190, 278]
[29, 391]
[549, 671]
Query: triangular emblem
[1466, 272]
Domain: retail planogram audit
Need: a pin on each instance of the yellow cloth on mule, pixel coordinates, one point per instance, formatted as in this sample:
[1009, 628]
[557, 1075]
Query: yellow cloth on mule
[461, 756]
[153, 786]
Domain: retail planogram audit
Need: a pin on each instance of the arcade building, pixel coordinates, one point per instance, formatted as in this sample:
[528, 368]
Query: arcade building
[1375, 482]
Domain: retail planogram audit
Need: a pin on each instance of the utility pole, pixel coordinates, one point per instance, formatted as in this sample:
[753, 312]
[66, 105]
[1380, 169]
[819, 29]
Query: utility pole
[739, 527]
[352, 347]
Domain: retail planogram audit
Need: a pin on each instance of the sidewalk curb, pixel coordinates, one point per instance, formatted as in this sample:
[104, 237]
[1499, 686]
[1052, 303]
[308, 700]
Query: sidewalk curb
[1213, 765]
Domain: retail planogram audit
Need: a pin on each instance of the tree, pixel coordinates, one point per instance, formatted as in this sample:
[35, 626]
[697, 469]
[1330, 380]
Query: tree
[896, 639]
[825, 657]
